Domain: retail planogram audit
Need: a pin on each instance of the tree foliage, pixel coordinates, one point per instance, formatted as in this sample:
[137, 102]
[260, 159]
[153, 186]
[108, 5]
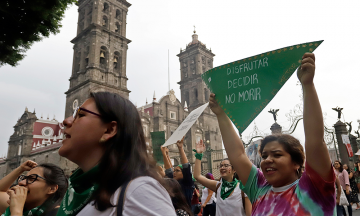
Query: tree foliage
[24, 22]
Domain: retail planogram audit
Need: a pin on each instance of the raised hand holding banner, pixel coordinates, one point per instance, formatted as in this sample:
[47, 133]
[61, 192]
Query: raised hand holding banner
[185, 125]
[243, 88]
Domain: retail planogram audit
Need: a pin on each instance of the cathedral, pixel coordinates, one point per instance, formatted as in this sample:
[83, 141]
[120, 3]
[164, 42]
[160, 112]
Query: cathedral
[99, 64]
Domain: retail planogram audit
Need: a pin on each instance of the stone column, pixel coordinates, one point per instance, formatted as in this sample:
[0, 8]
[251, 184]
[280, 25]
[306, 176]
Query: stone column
[340, 128]
[276, 129]
[354, 147]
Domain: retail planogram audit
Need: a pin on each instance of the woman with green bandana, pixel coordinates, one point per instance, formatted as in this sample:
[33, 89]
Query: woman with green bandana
[230, 200]
[38, 193]
[105, 139]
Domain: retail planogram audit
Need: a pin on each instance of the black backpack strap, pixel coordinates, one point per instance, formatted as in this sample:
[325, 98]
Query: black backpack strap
[121, 200]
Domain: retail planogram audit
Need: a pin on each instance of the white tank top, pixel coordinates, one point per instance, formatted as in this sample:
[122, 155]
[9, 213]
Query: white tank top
[205, 194]
[232, 205]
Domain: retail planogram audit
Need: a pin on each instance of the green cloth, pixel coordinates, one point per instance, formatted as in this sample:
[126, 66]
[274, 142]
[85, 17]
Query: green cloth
[198, 155]
[227, 188]
[80, 191]
[33, 212]
[181, 166]
[250, 84]
[157, 140]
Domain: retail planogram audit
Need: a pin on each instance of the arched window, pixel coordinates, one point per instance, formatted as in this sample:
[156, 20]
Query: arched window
[117, 62]
[118, 14]
[103, 57]
[117, 27]
[105, 22]
[187, 98]
[87, 53]
[81, 27]
[89, 19]
[90, 8]
[77, 63]
[106, 8]
[81, 14]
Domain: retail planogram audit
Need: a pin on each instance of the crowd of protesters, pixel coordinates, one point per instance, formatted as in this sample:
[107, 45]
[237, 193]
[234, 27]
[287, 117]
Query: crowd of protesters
[117, 175]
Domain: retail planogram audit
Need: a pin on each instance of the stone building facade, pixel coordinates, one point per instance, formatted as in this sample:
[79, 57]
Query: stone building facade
[100, 51]
[35, 139]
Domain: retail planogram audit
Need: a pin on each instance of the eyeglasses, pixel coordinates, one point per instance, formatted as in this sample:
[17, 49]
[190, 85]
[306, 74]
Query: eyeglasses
[224, 165]
[30, 178]
[77, 110]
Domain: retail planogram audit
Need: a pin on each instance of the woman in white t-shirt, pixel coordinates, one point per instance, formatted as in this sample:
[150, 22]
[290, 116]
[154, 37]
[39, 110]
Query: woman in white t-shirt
[230, 200]
[208, 200]
[106, 139]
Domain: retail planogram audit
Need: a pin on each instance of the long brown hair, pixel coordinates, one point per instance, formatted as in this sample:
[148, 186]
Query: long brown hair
[177, 196]
[291, 145]
[125, 156]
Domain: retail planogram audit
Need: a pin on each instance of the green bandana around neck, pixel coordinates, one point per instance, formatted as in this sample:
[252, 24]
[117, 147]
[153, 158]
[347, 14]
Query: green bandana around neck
[227, 188]
[33, 212]
[80, 191]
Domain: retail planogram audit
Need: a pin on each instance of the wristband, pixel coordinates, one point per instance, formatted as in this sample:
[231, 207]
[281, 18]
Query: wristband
[198, 155]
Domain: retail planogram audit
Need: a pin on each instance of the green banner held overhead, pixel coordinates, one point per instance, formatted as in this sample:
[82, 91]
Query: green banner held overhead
[243, 88]
[158, 139]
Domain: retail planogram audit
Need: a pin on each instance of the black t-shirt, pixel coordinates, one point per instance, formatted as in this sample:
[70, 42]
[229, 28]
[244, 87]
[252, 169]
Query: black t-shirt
[186, 182]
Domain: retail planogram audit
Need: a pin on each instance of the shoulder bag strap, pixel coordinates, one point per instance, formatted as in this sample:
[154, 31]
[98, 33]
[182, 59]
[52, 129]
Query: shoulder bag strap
[121, 200]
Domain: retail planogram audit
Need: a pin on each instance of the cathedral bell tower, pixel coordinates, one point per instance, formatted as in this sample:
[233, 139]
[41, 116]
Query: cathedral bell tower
[100, 50]
[195, 60]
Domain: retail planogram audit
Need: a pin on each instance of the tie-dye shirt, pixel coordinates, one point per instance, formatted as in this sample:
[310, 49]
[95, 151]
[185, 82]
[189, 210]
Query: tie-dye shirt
[309, 195]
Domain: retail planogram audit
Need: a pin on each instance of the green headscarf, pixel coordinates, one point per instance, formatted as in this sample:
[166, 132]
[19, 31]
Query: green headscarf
[80, 191]
[227, 188]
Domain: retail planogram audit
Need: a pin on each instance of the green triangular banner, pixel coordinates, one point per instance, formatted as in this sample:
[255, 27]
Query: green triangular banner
[158, 139]
[243, 88]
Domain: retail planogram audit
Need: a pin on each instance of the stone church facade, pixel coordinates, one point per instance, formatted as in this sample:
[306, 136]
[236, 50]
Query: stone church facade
[36, 139]
[99, 64]
[167, 113]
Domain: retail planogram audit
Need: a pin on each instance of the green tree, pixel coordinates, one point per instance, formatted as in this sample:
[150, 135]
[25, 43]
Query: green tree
[24, 22]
